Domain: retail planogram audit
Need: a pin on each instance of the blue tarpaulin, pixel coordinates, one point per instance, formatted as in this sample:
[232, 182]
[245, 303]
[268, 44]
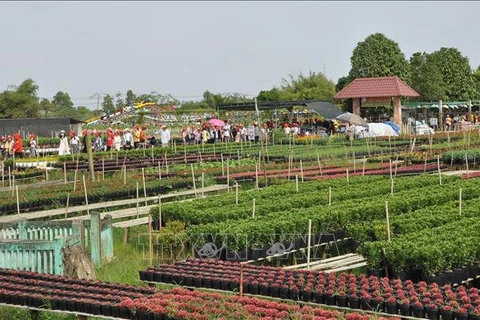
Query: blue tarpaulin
[394, 126]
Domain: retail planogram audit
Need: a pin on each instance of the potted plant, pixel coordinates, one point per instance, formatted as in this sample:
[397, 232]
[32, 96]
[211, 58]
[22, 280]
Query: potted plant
[461, 314]
[391, 305]
[475, 313]
[418, 310]
[342, 298]
[353, 301]
[432, 311]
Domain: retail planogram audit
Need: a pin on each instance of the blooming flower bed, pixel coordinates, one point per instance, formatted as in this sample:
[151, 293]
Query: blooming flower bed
[343, 290]
[44, 291]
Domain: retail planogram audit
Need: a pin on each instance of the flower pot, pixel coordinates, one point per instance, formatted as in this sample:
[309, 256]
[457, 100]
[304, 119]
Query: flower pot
[354, 303]
[391, 308]
[158, 277]
[330, 300]
[253, 288]
[207, 282]
[150, 276]
[264, 290]
[446, 315]
[461, 316]
[189, 282]
[284, 292]
[106, 310]
[377, 306]
[418, 312]
[432, 313]
[342, 301]
[474, 317]
[274, 292]
[197, 282]
[294, 294]
[96, 308]
[365, 304]
[306, 296]
[71, 305]
[143, 275]
[215, 283]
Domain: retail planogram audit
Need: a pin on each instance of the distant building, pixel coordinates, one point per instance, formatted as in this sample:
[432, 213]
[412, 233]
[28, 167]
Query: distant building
[45, 127]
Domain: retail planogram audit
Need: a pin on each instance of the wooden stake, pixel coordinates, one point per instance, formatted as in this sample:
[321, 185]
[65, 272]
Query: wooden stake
[144, 186]
[203, 183]
[138, 201]
[425, 164]
[296, 182]
[329, 196]
[354, 163]
[159, 171]
[466, 164]
[301, 170]
[159, 212]
[236, 192]
[319, 164]
[153, 156]
[391, 172]
[103, 169]
[85, 191]
[193, 180]
[65, 172]
[363, 166]
[228, 177]
[388, 221]
[18, 200]
[10, 177]
[348, 177]
[460, 202]
[253, 208]
[309, 242]
[66, 206]
[256, 176]
[391, 187]
[166, 162]
[223, 170]
[75, 180]
[124, 174]
[150, 244]
[439, 172]
[185, 154]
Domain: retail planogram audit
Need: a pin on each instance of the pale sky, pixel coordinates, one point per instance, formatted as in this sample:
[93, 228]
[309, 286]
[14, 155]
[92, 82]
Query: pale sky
[185, 48]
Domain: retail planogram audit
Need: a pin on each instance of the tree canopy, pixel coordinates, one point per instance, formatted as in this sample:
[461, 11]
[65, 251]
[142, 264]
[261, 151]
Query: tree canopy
[20, 101]
[378, 56]
[314, 86]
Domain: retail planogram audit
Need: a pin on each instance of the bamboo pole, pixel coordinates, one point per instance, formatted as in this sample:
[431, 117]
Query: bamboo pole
[85, 191]
[166, 162]
[425, 164]
[388, 221]
[214, 152]
[75, 180]
[228, 177]
[65, 172]
[159, 212]
[66, 206]
[301, 170]
[223, 170]
[150, 244]
[256, 176]
[466, 164]
[193, 180]
[296, 182]
[348, 177]
[236, 192]
[103, 169]
[329, 196]
[439, 172]
[10, 177]
[159, 171]
[253, 208]
[3, 174]
[391, 171]
[153, 155]
[354, 163]
[138, 201]
[18, 200]
[363, 166]
[124, 174]
[391, 187]
[460, 202]
[185, 154]
[309, 243]
[203, 184]
[319, 164]
[144, 186]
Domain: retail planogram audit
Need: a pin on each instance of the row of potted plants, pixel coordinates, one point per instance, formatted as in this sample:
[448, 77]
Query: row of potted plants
[43, 291]
[344, 290]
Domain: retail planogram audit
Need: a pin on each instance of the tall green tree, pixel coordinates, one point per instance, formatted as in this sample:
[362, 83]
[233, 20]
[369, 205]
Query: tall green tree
[20, 101]
[476, 80]
[273, 94]
[130, 98]
[107, 105]
[456, 73]
[426, 77]
[378, 56]
[63, 100]
[119, 103]
[314, 86]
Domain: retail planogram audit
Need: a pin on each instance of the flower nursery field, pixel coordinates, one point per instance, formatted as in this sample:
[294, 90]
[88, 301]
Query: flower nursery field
[416, 257]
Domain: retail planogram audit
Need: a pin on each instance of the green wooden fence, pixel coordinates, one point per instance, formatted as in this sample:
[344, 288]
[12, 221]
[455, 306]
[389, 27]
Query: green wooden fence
[38, 245]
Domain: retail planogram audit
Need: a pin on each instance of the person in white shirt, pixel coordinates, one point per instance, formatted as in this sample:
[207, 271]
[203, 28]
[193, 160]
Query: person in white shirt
[127, 139]
[165, 136]
[117, 140]
[63, 148]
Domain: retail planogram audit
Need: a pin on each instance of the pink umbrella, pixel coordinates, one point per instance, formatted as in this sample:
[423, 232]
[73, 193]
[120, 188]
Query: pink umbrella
[216, 122]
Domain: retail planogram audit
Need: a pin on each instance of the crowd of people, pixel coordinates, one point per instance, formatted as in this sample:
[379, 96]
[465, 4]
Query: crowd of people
[227, 133]
[12, 146]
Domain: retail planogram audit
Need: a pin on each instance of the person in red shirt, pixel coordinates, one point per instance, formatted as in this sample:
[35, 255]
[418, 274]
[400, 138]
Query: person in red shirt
[110, 138]
[17, 148]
